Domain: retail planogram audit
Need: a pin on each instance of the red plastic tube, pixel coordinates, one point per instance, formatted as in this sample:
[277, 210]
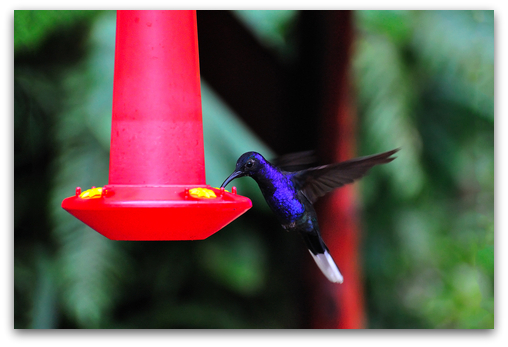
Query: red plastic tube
[157, 132]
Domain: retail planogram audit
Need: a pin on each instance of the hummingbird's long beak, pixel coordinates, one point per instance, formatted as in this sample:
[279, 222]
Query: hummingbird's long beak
[231, 177]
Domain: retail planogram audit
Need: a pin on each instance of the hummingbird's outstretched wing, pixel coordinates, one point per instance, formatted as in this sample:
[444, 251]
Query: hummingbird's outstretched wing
[317, 181]
[295, 161]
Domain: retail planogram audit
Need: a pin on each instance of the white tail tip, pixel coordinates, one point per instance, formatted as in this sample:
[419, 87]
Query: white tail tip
[328, 266]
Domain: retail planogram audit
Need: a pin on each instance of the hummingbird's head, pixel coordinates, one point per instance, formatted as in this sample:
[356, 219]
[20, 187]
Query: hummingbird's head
[247, 165]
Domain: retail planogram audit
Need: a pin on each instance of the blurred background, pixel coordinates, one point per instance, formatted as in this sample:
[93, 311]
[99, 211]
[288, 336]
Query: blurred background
[419, 80]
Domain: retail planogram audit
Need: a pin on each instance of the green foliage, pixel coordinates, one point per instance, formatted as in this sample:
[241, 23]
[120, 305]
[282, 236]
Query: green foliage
[388, 90]
[239, 262]
[271, 27]
[32, 27]
[425, 83]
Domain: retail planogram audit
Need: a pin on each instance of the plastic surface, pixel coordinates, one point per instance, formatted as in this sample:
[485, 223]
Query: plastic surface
[157, 131]
[157, 152]
[146, 213]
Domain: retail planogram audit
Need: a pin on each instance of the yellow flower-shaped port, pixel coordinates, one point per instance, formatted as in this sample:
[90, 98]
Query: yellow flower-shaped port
[202, 193]
[91, 193]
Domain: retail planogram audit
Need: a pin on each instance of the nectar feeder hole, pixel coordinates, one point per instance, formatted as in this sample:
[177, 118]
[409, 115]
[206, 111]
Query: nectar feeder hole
[157, 187]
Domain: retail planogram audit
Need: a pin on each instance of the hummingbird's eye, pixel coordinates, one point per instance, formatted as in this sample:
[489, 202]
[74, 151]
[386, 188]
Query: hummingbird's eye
[249, 164]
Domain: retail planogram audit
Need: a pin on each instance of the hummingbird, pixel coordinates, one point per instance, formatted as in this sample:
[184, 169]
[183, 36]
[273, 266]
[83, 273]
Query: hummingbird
[291, 194]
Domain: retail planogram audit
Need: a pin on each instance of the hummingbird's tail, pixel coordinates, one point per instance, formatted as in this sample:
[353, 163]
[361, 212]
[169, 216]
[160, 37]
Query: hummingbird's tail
[322, 257]
[328, 266]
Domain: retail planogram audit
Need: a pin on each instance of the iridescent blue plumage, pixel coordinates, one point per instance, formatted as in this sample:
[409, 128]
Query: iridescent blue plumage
[290, 196]
[280, 193]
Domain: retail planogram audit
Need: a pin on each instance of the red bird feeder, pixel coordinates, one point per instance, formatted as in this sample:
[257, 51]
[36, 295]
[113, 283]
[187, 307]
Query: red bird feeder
[157, 188]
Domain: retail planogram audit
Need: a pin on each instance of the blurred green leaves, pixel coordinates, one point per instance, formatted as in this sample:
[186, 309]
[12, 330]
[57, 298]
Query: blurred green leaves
[388, 90]
[396, 25]
[271, 27]
[238, 261]
[32, 27]
[425, 83]
[457, 48]
[92, 268]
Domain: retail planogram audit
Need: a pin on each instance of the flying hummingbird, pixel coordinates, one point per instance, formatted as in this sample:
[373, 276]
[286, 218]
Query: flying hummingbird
[291, 194]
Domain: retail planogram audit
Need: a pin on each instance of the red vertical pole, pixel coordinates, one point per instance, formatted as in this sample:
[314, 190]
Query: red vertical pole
[339, 306]
[157, 133]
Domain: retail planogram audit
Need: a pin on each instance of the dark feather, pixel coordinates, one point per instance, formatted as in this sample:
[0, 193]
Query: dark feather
[295, 161]
[316, 182]
[314, 242]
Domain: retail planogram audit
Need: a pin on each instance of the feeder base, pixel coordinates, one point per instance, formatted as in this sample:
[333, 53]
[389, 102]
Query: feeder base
[149, 213]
